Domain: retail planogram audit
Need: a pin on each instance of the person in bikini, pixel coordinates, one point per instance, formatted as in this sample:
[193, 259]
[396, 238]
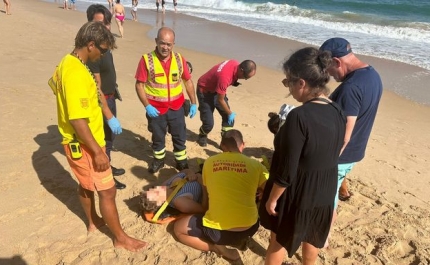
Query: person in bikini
[72, 4]
[65, 4]
[119, 17]
[158, 2]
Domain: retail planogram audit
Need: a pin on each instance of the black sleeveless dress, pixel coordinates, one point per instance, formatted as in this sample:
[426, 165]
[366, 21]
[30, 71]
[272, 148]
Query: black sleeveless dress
[305, 162]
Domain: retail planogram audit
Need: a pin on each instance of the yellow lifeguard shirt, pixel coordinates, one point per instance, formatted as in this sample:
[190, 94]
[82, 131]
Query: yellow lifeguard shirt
[77, 98]
[231, 180]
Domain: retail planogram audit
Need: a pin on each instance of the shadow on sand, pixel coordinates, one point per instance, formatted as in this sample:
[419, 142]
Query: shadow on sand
[54, 178]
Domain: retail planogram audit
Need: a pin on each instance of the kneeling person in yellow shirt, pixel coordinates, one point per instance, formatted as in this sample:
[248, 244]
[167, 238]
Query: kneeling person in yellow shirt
[231, 180]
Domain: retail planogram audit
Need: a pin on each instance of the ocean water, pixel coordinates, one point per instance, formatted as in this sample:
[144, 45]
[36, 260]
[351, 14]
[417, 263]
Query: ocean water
[397, 30]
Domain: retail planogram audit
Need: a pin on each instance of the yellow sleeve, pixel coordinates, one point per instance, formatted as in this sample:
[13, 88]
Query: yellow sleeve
[77, 95]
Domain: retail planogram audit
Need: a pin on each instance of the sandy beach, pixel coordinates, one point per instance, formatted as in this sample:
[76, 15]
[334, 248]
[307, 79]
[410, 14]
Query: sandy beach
[387, 221]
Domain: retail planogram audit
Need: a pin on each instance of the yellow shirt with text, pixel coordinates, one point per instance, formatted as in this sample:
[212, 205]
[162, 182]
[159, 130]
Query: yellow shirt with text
[77, 98]
[231, 180]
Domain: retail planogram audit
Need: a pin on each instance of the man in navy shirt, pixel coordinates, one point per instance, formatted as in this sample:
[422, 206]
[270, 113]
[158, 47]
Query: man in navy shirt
[358, 95]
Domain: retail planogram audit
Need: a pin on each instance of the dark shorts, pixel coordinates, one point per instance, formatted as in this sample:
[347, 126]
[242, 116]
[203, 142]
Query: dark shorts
[218, 237]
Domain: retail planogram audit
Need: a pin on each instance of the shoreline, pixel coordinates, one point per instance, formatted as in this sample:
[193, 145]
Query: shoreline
[42, 222]
[269, 51]
[216, 36]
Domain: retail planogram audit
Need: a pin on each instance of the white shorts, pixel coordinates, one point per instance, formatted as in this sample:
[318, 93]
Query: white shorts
[134, 8]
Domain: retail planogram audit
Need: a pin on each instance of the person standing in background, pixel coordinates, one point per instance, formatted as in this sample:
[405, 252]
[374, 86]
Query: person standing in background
[7, 7]
[160, 77]
[105, 74]
[134, 4]
[162, 2]
[119, 12]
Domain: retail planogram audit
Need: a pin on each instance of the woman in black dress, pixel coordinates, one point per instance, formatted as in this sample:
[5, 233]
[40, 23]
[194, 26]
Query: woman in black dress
[298, 200]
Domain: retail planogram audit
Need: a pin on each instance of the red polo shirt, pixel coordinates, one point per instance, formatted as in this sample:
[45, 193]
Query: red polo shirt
[142, 76]
[219, 77]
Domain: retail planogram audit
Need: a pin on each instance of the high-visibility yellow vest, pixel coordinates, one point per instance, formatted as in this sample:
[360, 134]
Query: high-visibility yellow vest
[162, 91]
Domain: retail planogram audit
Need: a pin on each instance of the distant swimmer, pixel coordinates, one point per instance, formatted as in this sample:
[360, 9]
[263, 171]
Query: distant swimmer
[119, 17]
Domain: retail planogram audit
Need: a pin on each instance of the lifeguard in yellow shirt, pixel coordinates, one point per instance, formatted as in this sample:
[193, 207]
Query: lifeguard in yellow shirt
[80, 122]
[232, 181]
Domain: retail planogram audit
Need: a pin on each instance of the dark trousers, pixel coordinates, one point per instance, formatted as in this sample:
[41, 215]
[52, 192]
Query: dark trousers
[208, 102]
[109, 135]
[173, 121]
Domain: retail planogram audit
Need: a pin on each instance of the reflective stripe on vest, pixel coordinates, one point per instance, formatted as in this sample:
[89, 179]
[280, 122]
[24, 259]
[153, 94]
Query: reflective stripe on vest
[159, 87]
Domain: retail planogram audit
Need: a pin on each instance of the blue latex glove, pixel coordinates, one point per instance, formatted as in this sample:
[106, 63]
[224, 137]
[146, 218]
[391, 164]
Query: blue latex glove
[193, 110]
[231, 118]
[151, 111]
[114, 125]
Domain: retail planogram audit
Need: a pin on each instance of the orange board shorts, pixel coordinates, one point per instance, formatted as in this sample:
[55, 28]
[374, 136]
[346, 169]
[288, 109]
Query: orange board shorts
[84, 171]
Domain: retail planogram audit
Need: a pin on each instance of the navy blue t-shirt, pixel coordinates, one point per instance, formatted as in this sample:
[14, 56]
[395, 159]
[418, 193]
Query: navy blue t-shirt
[359, 96]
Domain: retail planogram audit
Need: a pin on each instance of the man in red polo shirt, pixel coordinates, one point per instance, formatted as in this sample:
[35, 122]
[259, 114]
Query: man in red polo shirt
[160, 77]
[212, 94]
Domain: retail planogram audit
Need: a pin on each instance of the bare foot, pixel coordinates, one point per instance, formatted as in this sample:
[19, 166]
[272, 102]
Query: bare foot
[326, 244]
[130, 244]
[230, 255]
[96, 225]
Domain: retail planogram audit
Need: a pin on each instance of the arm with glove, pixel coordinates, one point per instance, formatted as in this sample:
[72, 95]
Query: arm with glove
[226, 108]
[191, 92]
[150, 110]
[113, 122]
